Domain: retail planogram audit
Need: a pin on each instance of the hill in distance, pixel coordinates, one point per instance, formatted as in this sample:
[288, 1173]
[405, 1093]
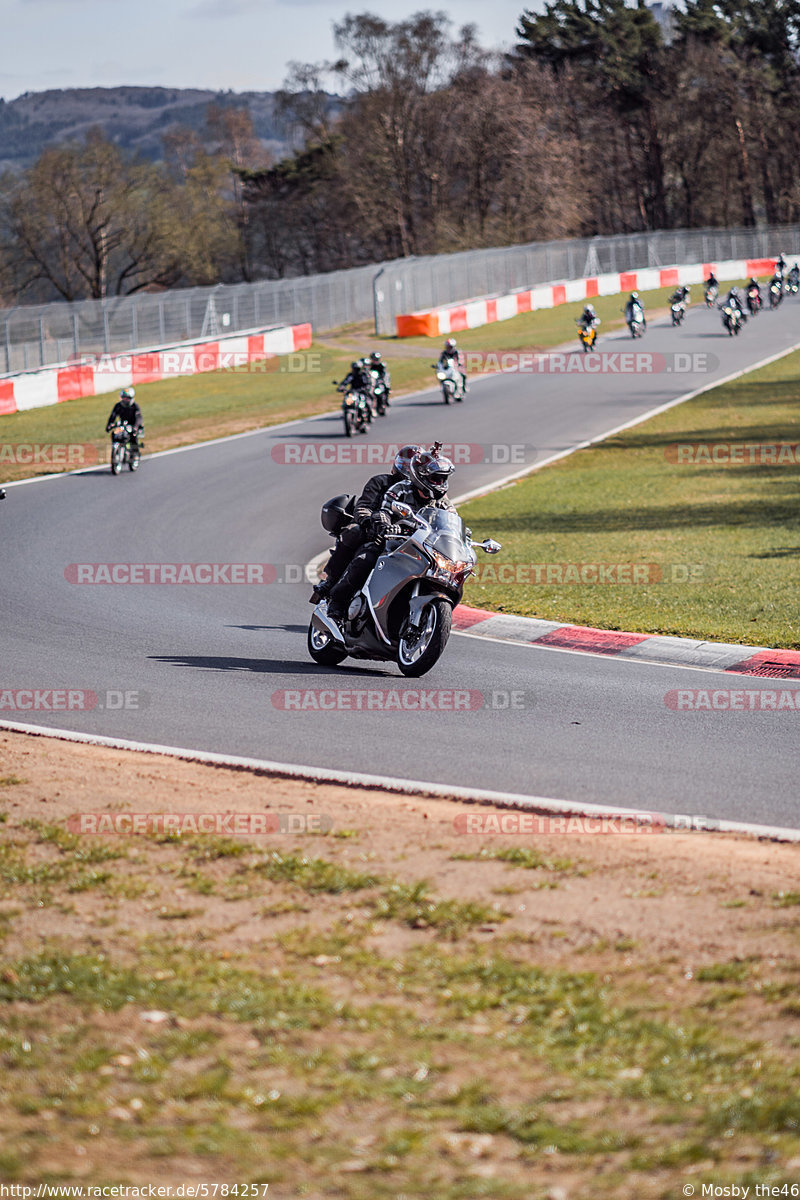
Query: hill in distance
[135, 118]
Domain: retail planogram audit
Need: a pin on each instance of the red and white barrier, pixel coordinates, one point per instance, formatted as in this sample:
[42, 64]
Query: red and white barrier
[472, 313]
[112, 372]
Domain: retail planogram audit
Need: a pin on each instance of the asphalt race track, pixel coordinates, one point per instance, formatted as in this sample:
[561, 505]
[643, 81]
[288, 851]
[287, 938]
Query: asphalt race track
[206, 661]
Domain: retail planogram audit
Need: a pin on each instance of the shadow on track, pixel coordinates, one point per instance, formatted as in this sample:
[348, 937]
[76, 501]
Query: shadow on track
[260, 666]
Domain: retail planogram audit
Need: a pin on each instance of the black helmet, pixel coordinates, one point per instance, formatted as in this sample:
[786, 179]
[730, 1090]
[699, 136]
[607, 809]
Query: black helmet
[402, 460]
[375, 356]
[337, 512]
[356, 366]
[430, 473]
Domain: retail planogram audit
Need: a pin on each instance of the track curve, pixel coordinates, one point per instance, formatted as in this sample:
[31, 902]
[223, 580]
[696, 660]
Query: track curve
[205, 661]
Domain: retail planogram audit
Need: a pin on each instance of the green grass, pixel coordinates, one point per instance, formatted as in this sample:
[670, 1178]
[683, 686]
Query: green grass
[623, 501]
[518, 856]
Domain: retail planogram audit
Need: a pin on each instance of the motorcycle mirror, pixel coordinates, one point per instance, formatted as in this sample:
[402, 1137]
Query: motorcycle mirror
[491, 546]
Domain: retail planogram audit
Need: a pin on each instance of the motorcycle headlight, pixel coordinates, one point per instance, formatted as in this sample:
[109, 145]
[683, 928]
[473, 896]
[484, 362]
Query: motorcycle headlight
[350, 400]
[449, 566]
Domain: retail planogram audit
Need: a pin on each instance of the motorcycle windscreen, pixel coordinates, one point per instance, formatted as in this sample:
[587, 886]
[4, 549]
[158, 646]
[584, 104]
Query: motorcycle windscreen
[449, 535]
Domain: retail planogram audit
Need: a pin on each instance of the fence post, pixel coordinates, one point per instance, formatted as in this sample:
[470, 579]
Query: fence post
[106, 331]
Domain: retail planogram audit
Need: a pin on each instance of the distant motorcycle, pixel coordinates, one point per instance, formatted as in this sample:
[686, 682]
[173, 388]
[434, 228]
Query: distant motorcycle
[404, 611]
[775, 293]
[711, 295]
[124, 448]
[356, 410]
[732, 318]
[587, 335]
[753, 301]
[451, 382]
[636, 321]
[380, 392]
[677, 311]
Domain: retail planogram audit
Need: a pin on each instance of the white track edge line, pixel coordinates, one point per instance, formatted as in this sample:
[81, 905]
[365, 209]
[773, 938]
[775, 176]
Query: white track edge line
[405, 786]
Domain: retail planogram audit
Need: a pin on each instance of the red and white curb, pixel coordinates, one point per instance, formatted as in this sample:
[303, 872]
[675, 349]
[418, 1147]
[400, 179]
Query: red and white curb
[642, 647]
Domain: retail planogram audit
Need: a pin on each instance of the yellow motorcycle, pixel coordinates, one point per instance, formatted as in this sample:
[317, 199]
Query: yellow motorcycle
[587, 335]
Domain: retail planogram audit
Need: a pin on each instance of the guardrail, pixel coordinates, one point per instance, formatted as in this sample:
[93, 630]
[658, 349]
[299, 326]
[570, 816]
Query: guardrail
[95, 376]
[470, 314]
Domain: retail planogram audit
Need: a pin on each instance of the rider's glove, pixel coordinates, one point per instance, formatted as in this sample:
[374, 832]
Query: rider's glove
[380, 522]
[394, 531]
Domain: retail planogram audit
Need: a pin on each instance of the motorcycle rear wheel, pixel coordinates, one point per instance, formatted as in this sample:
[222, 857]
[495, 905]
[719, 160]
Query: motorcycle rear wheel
[323, 649]
[416, 656]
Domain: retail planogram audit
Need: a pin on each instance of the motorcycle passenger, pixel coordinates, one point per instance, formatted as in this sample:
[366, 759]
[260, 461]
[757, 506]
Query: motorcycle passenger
[451, 356]
[354, 535]
[127, 410]
[635, 309]
[427, 483]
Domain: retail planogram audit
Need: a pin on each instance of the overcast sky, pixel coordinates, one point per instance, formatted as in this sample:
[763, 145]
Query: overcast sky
[239, 44]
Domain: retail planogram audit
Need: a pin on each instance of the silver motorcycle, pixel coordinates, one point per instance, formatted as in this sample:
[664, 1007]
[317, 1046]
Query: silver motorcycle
[404, 611]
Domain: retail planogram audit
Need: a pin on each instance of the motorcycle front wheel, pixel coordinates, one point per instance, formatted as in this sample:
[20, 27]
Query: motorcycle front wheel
[134, 460]
[323, 649]
[446, 395]
[419, 651]
[349, 422]
[116, 458]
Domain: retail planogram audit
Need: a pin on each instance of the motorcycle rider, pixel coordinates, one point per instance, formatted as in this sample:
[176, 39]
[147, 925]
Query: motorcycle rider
[780, 267]
[777, 283]
[357, 379]
[754, 286]
[589, 318]
[451, 356]
[680, 296]
[127, 410]
[426, 485]
[354, 535]
[712, 281]
[633, 304]
[794, 276]
[375, 363]
[734, 300]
